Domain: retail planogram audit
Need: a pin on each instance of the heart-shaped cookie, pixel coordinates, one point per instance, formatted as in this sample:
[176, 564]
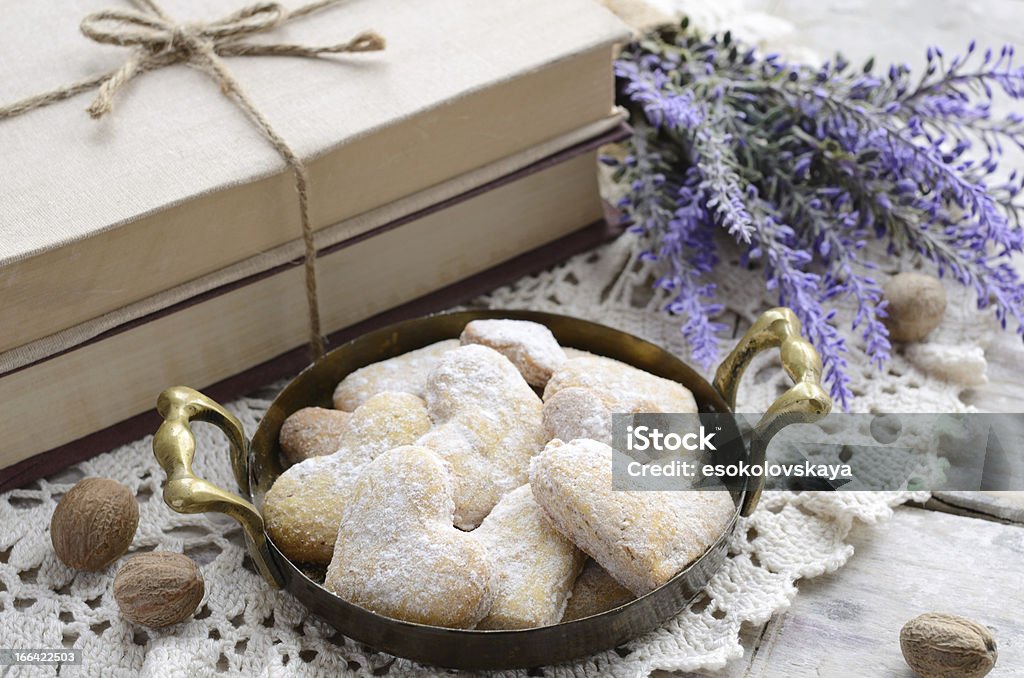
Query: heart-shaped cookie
[622, 388]
[534, 565]
[530, 346]
[397, 552]
[406, 373]
[642, 538]
[303, 507]
[487, 426]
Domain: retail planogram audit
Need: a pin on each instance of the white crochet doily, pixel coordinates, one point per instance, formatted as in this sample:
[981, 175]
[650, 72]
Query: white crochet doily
[244, 628]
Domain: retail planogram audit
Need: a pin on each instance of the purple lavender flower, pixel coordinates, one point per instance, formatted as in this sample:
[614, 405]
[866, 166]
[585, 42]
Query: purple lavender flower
[651, 88]
[671, 215]
[804, 166]
[720, 183]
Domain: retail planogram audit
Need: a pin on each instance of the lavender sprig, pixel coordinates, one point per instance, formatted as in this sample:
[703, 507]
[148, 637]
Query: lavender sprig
[672, 215]
[804, 166]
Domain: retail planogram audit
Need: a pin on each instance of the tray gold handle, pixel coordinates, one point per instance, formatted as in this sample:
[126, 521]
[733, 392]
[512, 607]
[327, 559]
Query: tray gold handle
[175, 446]
[806, 401]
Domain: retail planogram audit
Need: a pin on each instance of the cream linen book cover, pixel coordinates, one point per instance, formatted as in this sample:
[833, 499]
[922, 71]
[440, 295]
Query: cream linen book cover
[99, 384]
[176, 182]
[68, 338]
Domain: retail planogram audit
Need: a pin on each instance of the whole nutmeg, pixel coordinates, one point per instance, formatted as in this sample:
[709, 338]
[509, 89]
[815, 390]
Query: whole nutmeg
[917, 303]
[94, 524]
[947, 646]
[159, 588]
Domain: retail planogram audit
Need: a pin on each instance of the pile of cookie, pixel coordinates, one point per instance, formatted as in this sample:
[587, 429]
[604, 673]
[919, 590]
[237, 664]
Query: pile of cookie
[444, 490]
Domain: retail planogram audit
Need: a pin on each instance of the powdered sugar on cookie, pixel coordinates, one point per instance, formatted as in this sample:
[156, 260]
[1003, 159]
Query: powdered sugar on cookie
[530, 346]
[534, 565]
[577, 413]
[406, 373]
[397, 552]
[642, 539]
[303, 507]
[488, 427]
[622, 387]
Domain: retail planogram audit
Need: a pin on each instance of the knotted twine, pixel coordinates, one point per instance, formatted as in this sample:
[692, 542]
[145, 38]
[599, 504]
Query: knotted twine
[158, 41]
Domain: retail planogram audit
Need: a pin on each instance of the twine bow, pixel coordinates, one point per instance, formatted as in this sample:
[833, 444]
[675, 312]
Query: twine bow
[158, 41]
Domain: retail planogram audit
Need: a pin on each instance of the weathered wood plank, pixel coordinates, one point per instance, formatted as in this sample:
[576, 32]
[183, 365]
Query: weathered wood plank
[848, 623]
[1003, 506]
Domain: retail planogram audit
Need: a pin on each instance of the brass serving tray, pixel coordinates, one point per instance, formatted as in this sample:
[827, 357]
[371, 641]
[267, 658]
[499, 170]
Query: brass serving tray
[257, 464]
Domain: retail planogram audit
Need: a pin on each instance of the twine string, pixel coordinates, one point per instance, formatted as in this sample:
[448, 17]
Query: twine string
[157, 41]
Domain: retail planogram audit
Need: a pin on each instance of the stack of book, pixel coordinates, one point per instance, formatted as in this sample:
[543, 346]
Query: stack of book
[161, 245]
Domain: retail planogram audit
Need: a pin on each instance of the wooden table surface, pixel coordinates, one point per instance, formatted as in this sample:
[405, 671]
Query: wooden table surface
[847, 624]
